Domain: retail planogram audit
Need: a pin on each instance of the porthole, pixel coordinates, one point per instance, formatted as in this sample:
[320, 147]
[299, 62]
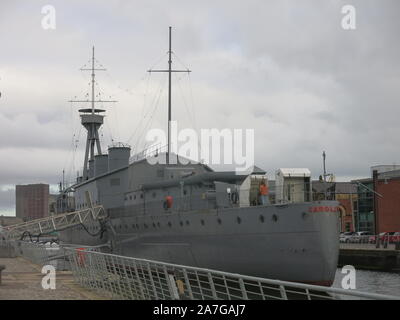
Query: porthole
[137, 226]
[219, 221]
[262, 218]
[187, 222]
[158, 224]
[274, 217]
[202, 222]
[134, 197]
[181, 223]
[239, 221]
[169, 224]
[130, 197]
[154, 225]
[141, 196]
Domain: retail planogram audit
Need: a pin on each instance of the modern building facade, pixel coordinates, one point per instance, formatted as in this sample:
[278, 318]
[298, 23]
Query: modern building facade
[364, 217]
[32, 201]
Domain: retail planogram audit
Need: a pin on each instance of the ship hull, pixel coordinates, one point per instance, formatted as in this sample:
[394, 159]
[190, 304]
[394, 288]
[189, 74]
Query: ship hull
[291, 242]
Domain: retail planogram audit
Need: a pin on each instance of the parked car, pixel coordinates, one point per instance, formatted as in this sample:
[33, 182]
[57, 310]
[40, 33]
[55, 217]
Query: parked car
[346, 236]
[361, 237]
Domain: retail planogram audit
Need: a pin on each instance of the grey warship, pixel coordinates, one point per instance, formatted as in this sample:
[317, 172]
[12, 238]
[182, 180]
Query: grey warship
[213, 219]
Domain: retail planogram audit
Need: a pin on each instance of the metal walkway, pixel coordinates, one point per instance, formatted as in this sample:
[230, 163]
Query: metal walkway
[57, 222]
[120, 277]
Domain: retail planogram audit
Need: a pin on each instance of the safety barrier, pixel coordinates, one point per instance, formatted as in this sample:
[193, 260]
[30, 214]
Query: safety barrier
[378, 241]
[127, 278]
[119, 277]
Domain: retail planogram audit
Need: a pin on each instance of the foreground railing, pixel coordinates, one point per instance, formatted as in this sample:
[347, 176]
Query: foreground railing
[126, 278]
[119, 277]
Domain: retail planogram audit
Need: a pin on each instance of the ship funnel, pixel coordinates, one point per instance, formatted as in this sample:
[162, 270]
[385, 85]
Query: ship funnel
[118, 156]
[100, 164]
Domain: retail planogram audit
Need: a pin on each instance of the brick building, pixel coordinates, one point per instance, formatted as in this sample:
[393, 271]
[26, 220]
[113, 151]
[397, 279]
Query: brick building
[387, 187]
[379, 201]
[32, 201]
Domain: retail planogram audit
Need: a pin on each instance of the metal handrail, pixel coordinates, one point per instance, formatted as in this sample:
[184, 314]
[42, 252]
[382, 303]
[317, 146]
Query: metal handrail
[121, 277]
[285, 287]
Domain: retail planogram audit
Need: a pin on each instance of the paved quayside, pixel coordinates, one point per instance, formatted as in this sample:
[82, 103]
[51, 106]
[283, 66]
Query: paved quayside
[21, 280]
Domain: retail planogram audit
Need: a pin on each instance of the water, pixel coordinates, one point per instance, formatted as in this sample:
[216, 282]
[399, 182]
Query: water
[373, 281]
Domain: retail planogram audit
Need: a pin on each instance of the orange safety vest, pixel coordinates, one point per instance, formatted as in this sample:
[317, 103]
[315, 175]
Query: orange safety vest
[263, 190]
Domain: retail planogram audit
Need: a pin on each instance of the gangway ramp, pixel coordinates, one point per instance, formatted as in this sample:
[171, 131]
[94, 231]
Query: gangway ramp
[57, 222]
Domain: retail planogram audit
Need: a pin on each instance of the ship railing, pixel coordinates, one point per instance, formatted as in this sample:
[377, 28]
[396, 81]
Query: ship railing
[148, 152]
[154, 201]
[120, 277]
[126, 278]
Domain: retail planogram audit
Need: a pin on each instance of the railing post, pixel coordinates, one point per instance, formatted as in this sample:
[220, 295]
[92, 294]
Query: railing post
[243, 289]
[283, 292]
[211, 282]
[139, 281]
[152, 280]
[188, 286]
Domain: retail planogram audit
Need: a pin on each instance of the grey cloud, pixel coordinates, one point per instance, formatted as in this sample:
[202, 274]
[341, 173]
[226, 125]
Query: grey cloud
[285, 68]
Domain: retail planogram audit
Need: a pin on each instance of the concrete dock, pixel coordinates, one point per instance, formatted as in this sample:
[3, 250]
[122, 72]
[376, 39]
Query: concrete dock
[21, 280]
[368, 257]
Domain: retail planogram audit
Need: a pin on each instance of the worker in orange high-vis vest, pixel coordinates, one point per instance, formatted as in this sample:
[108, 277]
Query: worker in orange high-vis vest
[264, 193]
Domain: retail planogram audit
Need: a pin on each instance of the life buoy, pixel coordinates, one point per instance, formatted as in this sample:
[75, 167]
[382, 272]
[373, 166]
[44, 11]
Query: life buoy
[168, 202]
[81, 255]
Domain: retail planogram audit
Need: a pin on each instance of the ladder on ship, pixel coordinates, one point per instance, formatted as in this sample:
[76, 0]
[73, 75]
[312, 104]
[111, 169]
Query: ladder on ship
[57, 222]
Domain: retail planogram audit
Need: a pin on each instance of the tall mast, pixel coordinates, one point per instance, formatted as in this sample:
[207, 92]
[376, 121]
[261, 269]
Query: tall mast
[93, 81]
[170, 71]
[92, 120]
[169, 94]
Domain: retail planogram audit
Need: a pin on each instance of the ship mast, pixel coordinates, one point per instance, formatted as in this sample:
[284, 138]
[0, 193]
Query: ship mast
[92, 120]
[170, 71]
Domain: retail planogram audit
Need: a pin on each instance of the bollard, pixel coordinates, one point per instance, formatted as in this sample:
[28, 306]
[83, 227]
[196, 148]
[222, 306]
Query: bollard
[377, 242]
[2, 267]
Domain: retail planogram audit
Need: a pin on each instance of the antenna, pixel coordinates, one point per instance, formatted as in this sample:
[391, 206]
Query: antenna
[92, 120]
[169, 90]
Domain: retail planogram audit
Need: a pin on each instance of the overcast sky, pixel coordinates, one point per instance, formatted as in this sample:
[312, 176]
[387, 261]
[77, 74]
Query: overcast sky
[285, 68]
